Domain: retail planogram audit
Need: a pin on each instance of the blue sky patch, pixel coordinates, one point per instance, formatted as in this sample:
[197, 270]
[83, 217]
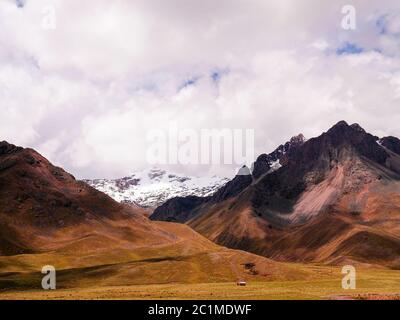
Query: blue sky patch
[189, 82]
[20, 3]
[349, 48]
[217, 74]
[381, 24]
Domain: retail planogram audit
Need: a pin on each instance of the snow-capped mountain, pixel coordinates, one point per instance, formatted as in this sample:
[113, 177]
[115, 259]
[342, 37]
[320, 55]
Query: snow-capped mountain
[151, 188]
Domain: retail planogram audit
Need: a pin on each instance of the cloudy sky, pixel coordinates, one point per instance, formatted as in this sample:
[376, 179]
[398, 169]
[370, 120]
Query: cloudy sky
[84, 81]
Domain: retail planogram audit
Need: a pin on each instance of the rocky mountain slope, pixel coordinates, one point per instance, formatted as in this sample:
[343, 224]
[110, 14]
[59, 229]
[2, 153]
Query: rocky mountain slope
[151, 188]
[266, 163]
[334, 198]
[37, 200]
[182, 209]
[49, 218]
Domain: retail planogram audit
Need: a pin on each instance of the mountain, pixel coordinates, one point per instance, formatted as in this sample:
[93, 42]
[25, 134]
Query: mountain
[182, 209]
[37, 200]
[266, 163]
[391, 143]
[335, 198]
[47, 217]
[151, 188]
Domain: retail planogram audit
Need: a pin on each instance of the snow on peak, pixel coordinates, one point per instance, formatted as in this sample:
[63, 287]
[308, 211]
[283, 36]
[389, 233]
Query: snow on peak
[275, 165]
[151, 188]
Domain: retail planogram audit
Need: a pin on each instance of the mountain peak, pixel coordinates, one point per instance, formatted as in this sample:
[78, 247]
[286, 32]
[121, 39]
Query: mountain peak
[267, 163]
[244, 171]
[342, 123]
[299, 139]
[391, 143]
[343, 133]
[6, 148]
[357, 127]
[341, 126]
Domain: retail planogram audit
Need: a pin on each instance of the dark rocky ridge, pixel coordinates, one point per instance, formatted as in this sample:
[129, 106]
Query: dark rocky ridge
[178, 209]
[241, 181]
[304, 163]
[310, 164]
[7, 148]
[316, 206]
[392, 143]
[264, 162]
[36, 196]
[182, 209]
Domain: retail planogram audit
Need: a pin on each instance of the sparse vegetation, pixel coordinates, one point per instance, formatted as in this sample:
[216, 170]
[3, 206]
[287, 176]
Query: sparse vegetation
[371, 284]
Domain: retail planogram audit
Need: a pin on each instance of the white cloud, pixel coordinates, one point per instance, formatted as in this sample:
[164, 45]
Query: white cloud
[86, 93]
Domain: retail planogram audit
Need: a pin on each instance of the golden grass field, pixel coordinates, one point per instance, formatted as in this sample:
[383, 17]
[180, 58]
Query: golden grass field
[320, 282]
[190, 267]
[324, 283]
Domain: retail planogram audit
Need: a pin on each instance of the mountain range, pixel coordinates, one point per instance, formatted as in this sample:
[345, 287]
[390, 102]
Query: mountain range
[330, 200]
[47, 217]
[151, 188]
[334, 198]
